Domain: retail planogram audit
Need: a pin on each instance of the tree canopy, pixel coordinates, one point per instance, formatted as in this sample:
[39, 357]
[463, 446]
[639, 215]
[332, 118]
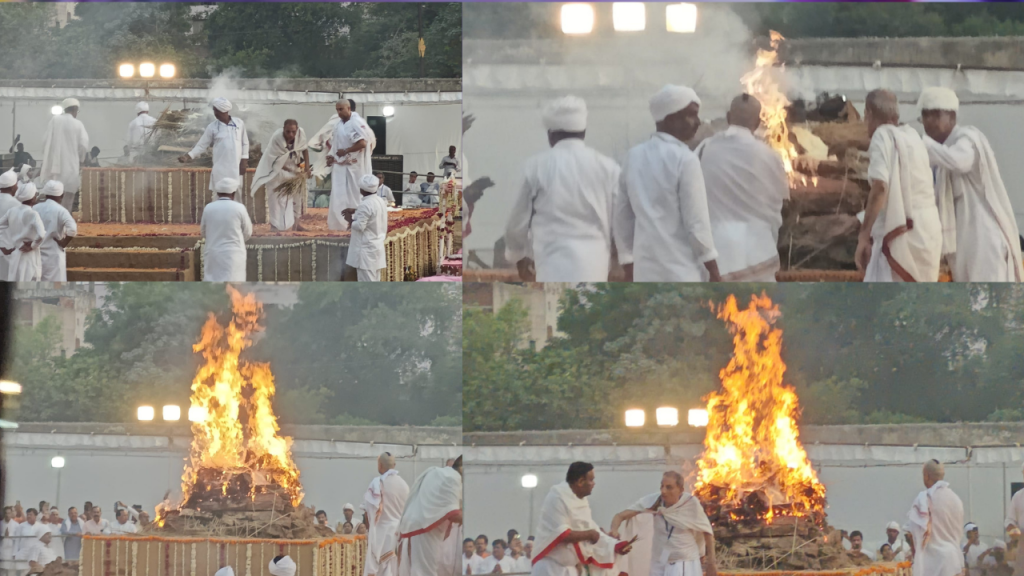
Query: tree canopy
[320, 40]
[855, 353]
[344, 354]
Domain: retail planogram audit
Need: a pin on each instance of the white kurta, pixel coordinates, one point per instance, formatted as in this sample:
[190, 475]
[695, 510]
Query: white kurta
[126, 528]
[677, 544]
[746, 186]
[7, 544]
[64, 148]
[280, 163]
[139, 130]
[985, 241]
[662, 224]
[474, 565]
[230, 145]
[56, 544]
[385, 194]
[1015, 517]
[225, 226]
[59, 224]
[382, 538]
[29, 541]
[563, 216]
[561, 513]
[347, 171]
[22, 224]
[939, 513]
[899, 159]
[426, 528]
[7, 201]
[369, 230]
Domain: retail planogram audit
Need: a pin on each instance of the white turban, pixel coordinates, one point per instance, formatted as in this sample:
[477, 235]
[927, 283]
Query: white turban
[936, 98]
[283, 567]
[567, 114]
[68, 103]
[369, 183]
[893, 526]
[142, 107]
[348, 507]
[8, 179]
[225, 571]
[26, 192]
[53, 188]
[671, 99]
[25, 169]
[969, 526]
[226, 186]
[222, 104]
[999, 544]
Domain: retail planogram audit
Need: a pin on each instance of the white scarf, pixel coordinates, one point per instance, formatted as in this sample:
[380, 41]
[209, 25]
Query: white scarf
[433, 498]
[275, 157]
[554, 525]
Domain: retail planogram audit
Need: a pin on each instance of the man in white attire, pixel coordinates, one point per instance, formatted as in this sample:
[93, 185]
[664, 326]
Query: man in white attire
[349, 160]
[283, 154]
[369, 231]
[64, 149]
[60, 228]
[980, 239]
[561, 225]
[1014, 524]
[384, 503]
[227, 137]
[22, 234]
[225, 226]
[139, 129]
[936, 519]
[430, 533]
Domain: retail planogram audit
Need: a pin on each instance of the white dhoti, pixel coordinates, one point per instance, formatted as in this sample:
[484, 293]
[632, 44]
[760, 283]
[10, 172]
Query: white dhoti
[421, 554]
[368, 275]
[282, 211]
[921, 243]
[548, 567]
[426, 547]
[680, 568]
[279, 164]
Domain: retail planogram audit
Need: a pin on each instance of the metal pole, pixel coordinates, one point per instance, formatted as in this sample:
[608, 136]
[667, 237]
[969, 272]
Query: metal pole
[530, 527]
[56, 502]
[14, 121]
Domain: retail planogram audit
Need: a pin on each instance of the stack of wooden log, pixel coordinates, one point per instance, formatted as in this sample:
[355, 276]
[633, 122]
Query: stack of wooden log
[788, 543]
[176, 132]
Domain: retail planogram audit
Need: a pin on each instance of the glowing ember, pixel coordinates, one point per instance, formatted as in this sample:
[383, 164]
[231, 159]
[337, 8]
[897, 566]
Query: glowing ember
[763, 85]
[753, 465]
[236, 450]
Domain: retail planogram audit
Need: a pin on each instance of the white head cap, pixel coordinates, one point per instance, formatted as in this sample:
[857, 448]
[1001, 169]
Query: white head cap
[226, 186]
[999, 544]
[142, 107]
[222, 104]
[69, 102]
[26, 192]
[671, 99]
[283, 567]
[225, 571]
[566, 114]
[893, 526]
[348, 506]
[969, 526]
[369, 183]
[8, 179]
[53, 188]
[936, 98]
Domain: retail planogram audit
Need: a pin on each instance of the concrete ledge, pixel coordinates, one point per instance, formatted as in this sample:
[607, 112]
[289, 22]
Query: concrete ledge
[993, 53]
[958, 435]
[376, 434]
[340, 85]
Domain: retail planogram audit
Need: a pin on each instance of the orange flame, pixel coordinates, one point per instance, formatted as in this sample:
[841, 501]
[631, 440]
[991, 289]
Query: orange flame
[752, 442]
[763, 85]
[226, 393]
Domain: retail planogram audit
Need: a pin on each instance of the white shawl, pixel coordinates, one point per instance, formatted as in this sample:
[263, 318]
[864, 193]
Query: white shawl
[275, 156]
[434, 497]
[895, 247]
[564, 512]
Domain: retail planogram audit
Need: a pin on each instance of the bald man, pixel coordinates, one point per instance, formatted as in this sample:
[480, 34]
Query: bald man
[936, 521]
[349, 160]
[746, 185]
[901, 235]
[383, 504]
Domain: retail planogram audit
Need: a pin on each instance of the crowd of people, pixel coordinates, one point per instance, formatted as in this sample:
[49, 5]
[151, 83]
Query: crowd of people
[674, 214]
[510, 556]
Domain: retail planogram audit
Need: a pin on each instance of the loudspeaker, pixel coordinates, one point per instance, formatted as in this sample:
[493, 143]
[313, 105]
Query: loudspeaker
[379, 126]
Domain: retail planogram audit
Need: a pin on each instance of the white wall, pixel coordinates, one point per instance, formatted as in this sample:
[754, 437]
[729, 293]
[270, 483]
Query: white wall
[420, 132]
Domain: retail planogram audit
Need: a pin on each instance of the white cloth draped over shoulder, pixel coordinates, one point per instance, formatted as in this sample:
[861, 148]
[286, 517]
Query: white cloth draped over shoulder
[936, 521]
[662, 225]
[678, 529]
[978, 223]
[22, 225]
[563, 216]
[382, 538]
[746, 185]
[64, 148]
[226, 227]
[279, 164]
[230, 144]
[426, 529]
[907, 235]
[563, 512]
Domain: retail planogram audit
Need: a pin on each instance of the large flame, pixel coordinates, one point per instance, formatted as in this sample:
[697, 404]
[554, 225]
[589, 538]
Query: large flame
[234, 429]
[752, 442]
[763, 84]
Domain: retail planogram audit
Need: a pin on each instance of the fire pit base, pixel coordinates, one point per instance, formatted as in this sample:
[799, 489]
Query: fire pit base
[159, 556]
[887, 569]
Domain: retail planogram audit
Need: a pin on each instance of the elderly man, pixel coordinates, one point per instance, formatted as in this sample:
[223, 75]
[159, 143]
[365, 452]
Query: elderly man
[746, 185]
[384, 503]
[893, 535]
[225, 227]
[936, 518]
[30, 531]
[60, 231]
[285, 157]
[560, 229]
[96, 524]
[55, 521]
[21, 235]
[429, 538]
[980, 239]
[122, 525]
[901, 236]
[662, 226]
[369, 224]
[384, 191]
[567, 535]
[64, 149]
[139, 129]
[349, 160]
[682, 531]
[41, 554]
[1014, 526]
[230, 143]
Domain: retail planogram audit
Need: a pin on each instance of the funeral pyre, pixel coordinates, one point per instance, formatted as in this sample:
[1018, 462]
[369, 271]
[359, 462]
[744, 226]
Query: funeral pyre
[823, 146]
[177, 131]
[240, 479]
[757, 485]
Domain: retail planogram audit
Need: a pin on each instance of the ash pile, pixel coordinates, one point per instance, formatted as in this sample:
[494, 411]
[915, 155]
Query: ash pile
[241, 504]
[177, 131]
